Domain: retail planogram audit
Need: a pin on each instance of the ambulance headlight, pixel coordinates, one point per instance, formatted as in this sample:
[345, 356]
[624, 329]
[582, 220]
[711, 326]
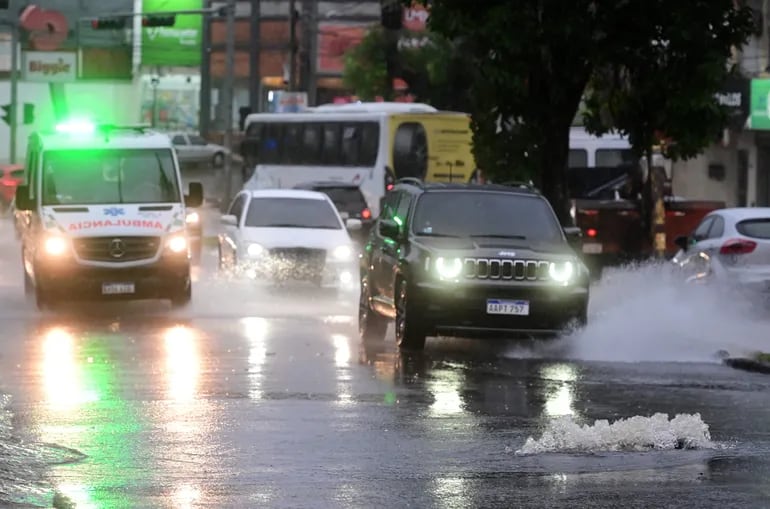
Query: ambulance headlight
[55, 246]
[177, 244]
[193, 218]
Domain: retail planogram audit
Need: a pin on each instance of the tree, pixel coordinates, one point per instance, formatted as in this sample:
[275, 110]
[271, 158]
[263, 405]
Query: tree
[653, 88]
[434, 72]
[532, 63]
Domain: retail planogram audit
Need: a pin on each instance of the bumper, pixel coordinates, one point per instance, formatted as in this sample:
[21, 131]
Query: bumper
[327, 273]
[458, 310]
[162, 279]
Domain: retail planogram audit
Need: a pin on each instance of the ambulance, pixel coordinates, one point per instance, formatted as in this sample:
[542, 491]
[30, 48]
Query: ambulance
[103, 216]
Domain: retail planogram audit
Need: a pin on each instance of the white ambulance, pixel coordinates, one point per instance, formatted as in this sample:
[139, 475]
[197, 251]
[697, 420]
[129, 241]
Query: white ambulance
[103, 216]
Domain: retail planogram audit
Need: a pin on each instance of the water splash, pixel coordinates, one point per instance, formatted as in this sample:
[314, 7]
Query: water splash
[635, 434]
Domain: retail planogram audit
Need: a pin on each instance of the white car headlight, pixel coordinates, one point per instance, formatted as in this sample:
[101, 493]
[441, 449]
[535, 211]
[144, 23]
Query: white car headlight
[561, 272]
[254, 250]
[177, 244]
[448, 268]
[342, 253]
[193, 218]
[55, 246]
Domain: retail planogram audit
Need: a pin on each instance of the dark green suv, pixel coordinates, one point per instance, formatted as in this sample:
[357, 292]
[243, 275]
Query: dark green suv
[472, 261]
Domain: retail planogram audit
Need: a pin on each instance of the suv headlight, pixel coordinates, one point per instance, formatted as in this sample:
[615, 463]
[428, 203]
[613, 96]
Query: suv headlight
[561, 272]
[342, 253]
[177, 243]
[449, 268]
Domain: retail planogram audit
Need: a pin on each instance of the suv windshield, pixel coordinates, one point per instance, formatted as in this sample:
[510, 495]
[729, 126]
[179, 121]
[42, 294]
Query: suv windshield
[346, 199]
[91, 177]
[485, 214]
[291, 213]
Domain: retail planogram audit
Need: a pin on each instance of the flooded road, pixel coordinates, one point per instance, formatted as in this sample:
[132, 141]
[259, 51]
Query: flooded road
[259, 398]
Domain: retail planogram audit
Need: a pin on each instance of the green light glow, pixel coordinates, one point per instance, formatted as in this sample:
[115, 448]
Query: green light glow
[76, 127]
[398, 221]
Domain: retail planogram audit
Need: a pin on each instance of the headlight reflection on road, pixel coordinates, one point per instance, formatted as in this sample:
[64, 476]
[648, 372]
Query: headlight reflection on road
[559, 397]
[182, 363]
[61, 373]
[342, 361]
[256, 329]
[446, 393]
[186, 496]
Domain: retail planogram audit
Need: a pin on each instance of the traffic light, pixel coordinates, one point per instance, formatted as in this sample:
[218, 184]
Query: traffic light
[158, 21]
[108, 23]
[391, 14]
[29, 113]
[7, 114]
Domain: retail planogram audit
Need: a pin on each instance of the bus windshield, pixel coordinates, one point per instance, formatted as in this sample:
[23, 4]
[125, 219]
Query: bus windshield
[100, 177]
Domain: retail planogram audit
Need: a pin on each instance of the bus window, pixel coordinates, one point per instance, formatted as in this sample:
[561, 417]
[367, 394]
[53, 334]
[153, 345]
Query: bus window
[270, 147]
[292, 143]
[350, 145]
[410, 151]
[606, 157]
[250, 143]
[578, 158]
[330, 148]
[370, 144]
[311, 144]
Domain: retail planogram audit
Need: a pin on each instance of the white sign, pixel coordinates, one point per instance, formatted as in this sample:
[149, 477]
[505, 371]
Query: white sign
[49, 66]
[290, 102]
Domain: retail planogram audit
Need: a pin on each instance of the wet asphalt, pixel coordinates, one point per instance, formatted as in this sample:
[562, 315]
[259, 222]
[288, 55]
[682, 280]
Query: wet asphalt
[257, 397]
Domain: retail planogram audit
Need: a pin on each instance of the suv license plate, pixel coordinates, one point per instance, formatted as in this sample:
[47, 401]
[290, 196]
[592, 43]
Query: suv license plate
[507, 307]
[592, 248]
[117, 288]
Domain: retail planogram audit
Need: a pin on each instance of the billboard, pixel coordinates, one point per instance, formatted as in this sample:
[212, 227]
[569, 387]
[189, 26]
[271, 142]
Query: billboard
[49, 66]
[179, 45]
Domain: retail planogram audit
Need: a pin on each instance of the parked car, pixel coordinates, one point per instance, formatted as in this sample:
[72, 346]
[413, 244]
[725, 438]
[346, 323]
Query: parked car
[348, 199]
[11, 176]
[193, 149]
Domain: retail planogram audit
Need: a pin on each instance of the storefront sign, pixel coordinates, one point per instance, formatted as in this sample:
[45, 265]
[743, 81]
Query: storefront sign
[735, 96]
[290, 102]
[178, 45]
[49, 66]
[760, 104]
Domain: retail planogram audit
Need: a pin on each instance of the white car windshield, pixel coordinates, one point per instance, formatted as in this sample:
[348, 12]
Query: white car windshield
[92, 177]
[291, 213]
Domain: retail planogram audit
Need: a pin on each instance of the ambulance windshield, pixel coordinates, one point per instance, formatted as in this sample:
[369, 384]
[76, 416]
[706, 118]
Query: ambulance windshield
[94, 177]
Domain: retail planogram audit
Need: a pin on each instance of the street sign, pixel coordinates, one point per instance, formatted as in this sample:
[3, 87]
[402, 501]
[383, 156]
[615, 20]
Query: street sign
[49, 66]
[290, 102]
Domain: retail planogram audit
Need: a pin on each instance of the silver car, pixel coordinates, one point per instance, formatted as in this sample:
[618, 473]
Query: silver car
[194, 149]
[730, 246]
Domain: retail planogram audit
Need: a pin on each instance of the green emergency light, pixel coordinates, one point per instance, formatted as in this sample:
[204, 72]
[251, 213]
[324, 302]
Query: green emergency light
[76, 127]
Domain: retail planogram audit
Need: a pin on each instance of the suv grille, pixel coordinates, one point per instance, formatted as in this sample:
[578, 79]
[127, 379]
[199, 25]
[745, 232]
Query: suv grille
[499, 268]
[300, 258]
[116, 249]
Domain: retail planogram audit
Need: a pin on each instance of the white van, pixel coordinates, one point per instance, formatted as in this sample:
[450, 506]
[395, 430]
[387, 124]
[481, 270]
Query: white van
[104, 216]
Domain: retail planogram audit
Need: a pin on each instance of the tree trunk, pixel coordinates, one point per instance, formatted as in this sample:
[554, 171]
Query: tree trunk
[654, 208]
[553, 177]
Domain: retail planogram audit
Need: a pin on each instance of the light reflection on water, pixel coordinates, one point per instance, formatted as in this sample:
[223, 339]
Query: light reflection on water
[256, 330]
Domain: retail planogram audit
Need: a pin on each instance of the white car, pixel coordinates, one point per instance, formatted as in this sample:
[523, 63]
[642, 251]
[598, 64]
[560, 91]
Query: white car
[283, 234]
[730, 246]
[194, 149]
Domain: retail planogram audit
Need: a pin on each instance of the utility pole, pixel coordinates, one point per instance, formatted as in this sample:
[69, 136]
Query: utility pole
[292, 46]
[255, 52]
[14, 109]
[312, 21]
[204, 116]
[227, 97]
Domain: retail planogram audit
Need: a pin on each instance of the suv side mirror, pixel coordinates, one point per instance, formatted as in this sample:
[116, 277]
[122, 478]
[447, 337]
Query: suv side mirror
[194, 197]
[353, 224]
[389, 229]
[574, 235]
[23, 201]
[682, 242]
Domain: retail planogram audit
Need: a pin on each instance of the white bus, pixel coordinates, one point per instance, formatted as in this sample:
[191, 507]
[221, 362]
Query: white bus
[589, 151]
[367, 144]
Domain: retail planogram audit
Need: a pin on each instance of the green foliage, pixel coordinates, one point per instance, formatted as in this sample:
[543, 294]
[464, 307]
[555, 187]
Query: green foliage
[434, 72]
[652, 65]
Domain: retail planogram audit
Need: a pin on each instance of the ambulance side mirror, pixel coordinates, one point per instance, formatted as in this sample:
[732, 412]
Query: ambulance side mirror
[194, 197]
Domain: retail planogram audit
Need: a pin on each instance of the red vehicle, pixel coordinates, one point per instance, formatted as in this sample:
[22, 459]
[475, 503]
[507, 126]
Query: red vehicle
[610, 217]
[11, 175]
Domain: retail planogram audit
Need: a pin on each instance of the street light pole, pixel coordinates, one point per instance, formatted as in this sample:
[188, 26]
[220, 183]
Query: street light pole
[14, 109]
[227, 98]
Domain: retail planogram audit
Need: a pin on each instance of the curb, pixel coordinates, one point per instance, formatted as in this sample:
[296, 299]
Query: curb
[746, 364]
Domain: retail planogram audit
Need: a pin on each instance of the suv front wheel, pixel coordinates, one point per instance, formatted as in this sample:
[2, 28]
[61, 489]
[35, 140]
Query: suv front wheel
[371, 325]
[409, 333]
